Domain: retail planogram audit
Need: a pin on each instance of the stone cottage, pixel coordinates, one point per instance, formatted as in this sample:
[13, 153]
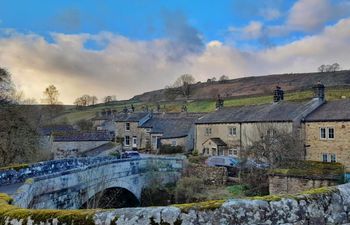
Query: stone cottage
[174, 129]
[327, 133]
[75, 143]
[128, 129]
[239, 127]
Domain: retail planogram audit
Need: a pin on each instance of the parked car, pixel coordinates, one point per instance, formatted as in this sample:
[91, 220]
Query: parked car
[251, 163]
[131, 154]
[227, 161]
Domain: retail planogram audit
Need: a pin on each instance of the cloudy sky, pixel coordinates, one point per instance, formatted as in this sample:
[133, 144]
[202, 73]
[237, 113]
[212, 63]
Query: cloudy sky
[123, 48]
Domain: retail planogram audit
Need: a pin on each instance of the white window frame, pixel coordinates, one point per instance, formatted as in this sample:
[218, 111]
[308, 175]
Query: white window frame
[333, 157]
[208, 131]
[327, 133]
[230, 133]
[324, 156]
[126, 139]
[328, 136]
[127, 126]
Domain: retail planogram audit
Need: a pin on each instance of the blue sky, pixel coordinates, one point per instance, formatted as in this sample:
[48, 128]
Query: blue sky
[146, 40]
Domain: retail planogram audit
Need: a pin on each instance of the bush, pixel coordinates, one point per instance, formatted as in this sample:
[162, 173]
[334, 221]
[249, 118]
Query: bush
[189, 189]
[256, 182]
[169, 149]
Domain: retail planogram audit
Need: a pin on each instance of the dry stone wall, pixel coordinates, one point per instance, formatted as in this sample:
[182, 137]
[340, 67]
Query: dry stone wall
[320, 206]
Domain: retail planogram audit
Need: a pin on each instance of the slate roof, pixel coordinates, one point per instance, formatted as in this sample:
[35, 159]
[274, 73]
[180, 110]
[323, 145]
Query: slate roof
[82, 136]
[338, 110]
[217, 141]
[171, 125]
[276, 112]
[130, 117]
[48, 130]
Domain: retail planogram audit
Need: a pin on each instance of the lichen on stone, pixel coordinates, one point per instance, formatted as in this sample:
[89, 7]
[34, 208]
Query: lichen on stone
[201, 206]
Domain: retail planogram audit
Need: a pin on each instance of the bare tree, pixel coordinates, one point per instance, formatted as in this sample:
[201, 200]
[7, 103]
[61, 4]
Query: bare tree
[184, 82]
[224, 78]
[93, 100]
[109, 98]
[7, 87]
[329, 68]
[51, 95]
[275, 145]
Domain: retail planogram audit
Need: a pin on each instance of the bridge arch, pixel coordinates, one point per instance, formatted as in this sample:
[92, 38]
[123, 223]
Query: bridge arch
[114, 197]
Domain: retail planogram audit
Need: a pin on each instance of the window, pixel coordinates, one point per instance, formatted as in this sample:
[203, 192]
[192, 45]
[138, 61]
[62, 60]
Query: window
[326, 133]
[127, 140]
[323, 133]
[271, 132]
[333, 158]
[173, 143]
[208, 131]
[230, 152]
[232, 131]
[134, 140]
[325, 157]
[331, 133]
[127, 126]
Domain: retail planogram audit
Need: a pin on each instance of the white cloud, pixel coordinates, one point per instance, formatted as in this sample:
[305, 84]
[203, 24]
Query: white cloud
[252, 31]
[270, 13]
[312, 15]
[127, 67]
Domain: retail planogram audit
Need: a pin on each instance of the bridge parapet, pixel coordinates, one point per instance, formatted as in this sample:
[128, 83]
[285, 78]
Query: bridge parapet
[13, 176]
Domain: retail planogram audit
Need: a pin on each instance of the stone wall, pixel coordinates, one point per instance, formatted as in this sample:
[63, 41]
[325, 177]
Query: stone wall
[210, 174]
[321, 207]
[340, 145]
[280, 184]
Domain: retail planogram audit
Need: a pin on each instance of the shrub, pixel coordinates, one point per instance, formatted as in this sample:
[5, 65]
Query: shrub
[189, 189]
[169, 149]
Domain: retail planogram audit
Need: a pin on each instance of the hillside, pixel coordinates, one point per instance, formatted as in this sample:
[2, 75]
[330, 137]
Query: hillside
[254, 86]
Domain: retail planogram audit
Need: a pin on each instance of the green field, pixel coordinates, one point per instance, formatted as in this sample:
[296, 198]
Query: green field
[73, 115]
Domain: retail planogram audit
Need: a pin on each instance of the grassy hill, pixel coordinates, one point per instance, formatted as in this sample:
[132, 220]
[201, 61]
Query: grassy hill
[253, 86]
[73, 115]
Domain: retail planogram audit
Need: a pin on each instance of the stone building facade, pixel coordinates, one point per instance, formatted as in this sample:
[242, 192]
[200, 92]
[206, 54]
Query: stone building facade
[128, 129]
[327, 133]
[239, 127]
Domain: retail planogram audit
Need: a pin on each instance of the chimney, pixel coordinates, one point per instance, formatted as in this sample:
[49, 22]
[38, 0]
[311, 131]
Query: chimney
[219, 103]
[319, 91]
[278, 94]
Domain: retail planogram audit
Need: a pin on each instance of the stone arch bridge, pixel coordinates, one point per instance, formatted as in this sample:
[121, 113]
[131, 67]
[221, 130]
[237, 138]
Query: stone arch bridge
[70, 189]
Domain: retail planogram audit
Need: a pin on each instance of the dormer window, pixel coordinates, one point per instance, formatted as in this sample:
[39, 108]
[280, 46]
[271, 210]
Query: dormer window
[127, 126]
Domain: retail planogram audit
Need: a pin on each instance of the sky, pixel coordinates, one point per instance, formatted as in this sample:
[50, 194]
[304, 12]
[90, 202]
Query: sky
[124, 48]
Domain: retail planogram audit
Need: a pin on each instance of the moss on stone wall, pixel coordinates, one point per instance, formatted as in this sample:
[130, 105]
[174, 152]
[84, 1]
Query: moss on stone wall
[207, 205]
[76, 217]
[310, 168]
[14, 167]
